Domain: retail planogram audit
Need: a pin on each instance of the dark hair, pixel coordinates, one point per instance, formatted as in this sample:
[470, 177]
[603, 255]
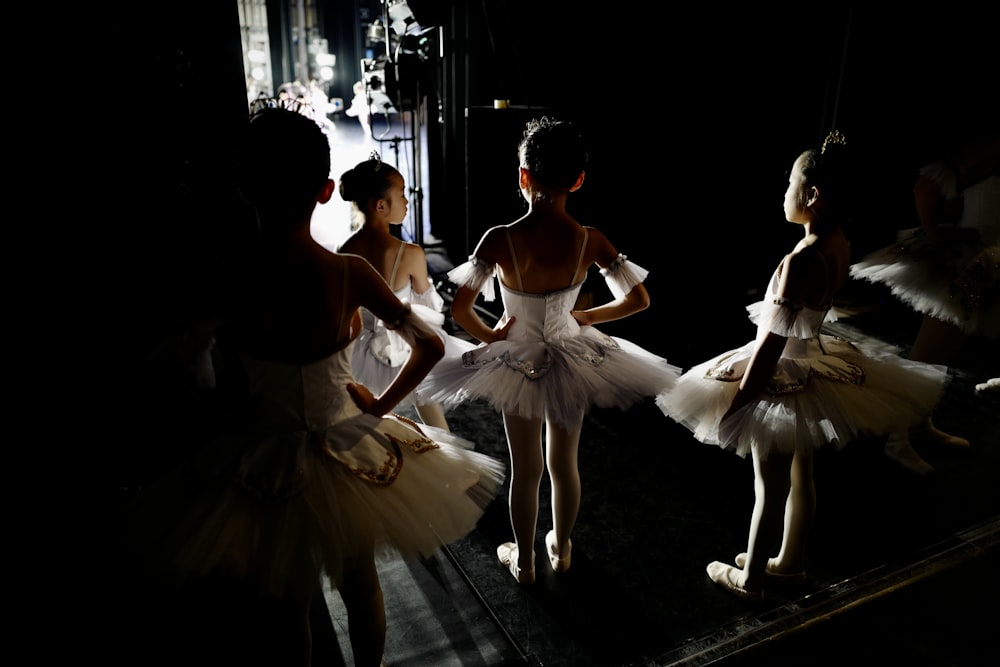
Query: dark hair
[284, 160]
[829, 170]
[553, 151]
[366, 181]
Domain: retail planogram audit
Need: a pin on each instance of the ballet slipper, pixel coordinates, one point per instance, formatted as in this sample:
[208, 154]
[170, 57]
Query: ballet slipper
[901, 451]
[770, 571]
[991, 386]
[507, 553]
[929, 434]
[559, 564]
[727, 576]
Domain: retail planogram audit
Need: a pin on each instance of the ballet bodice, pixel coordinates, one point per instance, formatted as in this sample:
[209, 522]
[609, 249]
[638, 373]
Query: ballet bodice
[540, 317]
[310, 397]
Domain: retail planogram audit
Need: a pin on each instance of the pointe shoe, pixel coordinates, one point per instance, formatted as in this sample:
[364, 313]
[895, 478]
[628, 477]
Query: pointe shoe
[787, 577]
[727, 576]
[559, 564]
[507, 553]
[902, 452]
[929, 434]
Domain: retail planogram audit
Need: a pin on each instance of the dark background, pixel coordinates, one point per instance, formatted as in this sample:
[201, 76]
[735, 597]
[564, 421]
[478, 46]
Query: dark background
[694, 113]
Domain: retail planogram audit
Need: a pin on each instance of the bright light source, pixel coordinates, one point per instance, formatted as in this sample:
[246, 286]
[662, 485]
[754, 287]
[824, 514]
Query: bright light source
[326, 73]
[400, 16]
[326, 59]
[256, 56]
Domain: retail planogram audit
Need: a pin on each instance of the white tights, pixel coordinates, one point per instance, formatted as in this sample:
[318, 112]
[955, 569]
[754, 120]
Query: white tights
[524, 439]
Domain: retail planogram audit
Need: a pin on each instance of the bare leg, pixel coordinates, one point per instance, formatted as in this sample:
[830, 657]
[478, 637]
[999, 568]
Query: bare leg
[899, 449]
[562, 459]
[524, 440]
[772, 481]
[771, 492]
[937, 342]
[432, 414]
[361, 592]
[800, 508]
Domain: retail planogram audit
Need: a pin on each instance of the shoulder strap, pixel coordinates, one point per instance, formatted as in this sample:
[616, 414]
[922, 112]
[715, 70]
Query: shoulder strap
[344, 320]
[579, 261]
[395, 266]
[513, 257]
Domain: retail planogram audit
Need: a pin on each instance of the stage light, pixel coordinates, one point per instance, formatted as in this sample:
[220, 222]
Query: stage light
[400, 16]
[376, 32]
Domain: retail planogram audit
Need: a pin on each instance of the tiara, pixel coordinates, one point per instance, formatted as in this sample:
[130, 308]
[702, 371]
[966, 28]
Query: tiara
[295, 104]
[377, 158]
[835, 137]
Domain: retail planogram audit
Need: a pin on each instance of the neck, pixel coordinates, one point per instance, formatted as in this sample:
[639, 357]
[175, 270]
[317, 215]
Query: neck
[547, 201]
[821, 225]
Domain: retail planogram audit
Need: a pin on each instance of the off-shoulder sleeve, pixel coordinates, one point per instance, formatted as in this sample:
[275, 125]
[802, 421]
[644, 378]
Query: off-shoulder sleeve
[410, 327]
[476, 275]
[391, 341]
[429, 299]
[788, 318]
[622, 275]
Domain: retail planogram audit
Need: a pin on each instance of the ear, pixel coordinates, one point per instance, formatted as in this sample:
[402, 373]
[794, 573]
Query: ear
[522, 177]
[327, 192]
[812, 196]
[579, 182]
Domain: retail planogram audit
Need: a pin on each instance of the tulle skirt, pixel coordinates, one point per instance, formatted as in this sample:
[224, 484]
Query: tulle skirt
[278, 512]
[834, 393]
[374, 369]
[560, 380]
[955, 282]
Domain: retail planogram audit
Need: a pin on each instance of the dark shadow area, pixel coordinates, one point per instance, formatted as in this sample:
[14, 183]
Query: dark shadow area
[694, 115]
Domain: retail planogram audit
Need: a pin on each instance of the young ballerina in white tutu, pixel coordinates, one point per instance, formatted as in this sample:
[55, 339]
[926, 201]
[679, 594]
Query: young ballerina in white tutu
[377, 194]
[948, 269]
[319, 480]
[793, 389]
[545, 363]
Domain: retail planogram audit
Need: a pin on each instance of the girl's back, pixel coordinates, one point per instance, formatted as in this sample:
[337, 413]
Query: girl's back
[551, 255]
[299, 312]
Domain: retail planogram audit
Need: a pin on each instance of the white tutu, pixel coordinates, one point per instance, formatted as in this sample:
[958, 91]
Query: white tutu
[955, 281]
[549, 365]
[311, 483]
[824, 390]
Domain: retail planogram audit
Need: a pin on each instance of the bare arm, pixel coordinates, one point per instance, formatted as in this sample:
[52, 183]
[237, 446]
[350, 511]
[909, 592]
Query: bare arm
[798, 273]
[637, 299]
[462, 306]
[465, 316]
[416, 266]
[425, 351]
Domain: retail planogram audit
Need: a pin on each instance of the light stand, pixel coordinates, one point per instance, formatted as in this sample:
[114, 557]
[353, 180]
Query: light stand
[397, 15]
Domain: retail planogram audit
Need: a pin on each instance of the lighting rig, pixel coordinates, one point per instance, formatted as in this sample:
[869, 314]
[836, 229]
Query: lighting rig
[392, 87]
